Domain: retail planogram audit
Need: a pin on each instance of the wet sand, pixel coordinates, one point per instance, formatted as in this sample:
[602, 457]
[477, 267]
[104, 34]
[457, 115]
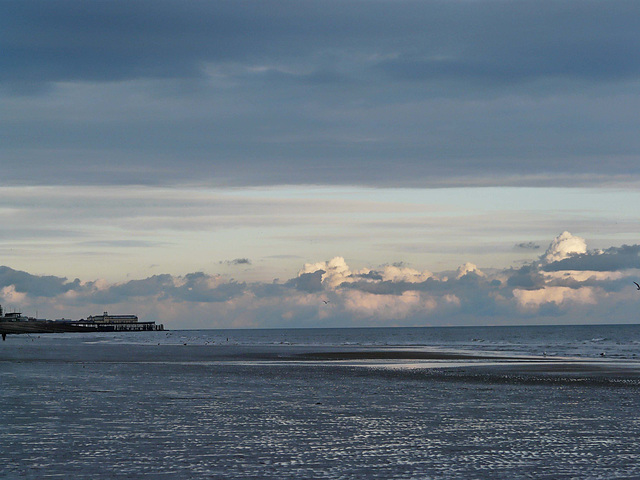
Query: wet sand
[490, 366]
[180, 411]
[396, 354]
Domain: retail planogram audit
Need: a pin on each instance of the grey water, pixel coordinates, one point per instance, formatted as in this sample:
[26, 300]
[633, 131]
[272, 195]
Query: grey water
[232, 404]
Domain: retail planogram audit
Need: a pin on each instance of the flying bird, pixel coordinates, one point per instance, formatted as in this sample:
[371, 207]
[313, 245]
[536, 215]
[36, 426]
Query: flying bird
[327, 301]
[637, 285]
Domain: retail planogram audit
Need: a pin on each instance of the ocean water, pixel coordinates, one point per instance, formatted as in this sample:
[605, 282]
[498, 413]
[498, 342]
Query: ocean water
[379, 403]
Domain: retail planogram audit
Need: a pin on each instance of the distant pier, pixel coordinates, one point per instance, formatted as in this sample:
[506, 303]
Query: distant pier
[16, 323]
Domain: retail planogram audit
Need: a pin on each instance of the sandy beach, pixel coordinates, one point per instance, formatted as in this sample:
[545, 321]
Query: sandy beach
[105, 410]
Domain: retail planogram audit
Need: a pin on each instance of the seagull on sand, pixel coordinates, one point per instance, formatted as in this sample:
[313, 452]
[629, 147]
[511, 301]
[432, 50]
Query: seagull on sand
[637, 285]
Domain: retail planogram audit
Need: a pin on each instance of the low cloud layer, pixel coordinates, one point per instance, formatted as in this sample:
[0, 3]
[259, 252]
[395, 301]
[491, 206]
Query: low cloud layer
[568, 284]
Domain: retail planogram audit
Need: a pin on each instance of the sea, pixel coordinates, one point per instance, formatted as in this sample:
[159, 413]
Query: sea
[533, 402]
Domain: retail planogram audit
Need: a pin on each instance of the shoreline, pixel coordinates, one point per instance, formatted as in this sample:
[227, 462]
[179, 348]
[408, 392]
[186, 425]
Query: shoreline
[284, 356]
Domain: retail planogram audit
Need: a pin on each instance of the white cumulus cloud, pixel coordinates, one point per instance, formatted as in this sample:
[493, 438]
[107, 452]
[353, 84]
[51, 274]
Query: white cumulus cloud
[393, 273]
[564, 246]
[387, 307]
[532, 299]
[10, 295]
[336, 272]
[468, 268]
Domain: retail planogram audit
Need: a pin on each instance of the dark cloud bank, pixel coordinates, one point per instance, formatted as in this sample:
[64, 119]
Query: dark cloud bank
[377, 92]
[504, 41]
[581, 287]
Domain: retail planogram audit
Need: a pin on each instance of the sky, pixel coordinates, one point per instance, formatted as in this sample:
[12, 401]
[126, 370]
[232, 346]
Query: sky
[321, 163]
